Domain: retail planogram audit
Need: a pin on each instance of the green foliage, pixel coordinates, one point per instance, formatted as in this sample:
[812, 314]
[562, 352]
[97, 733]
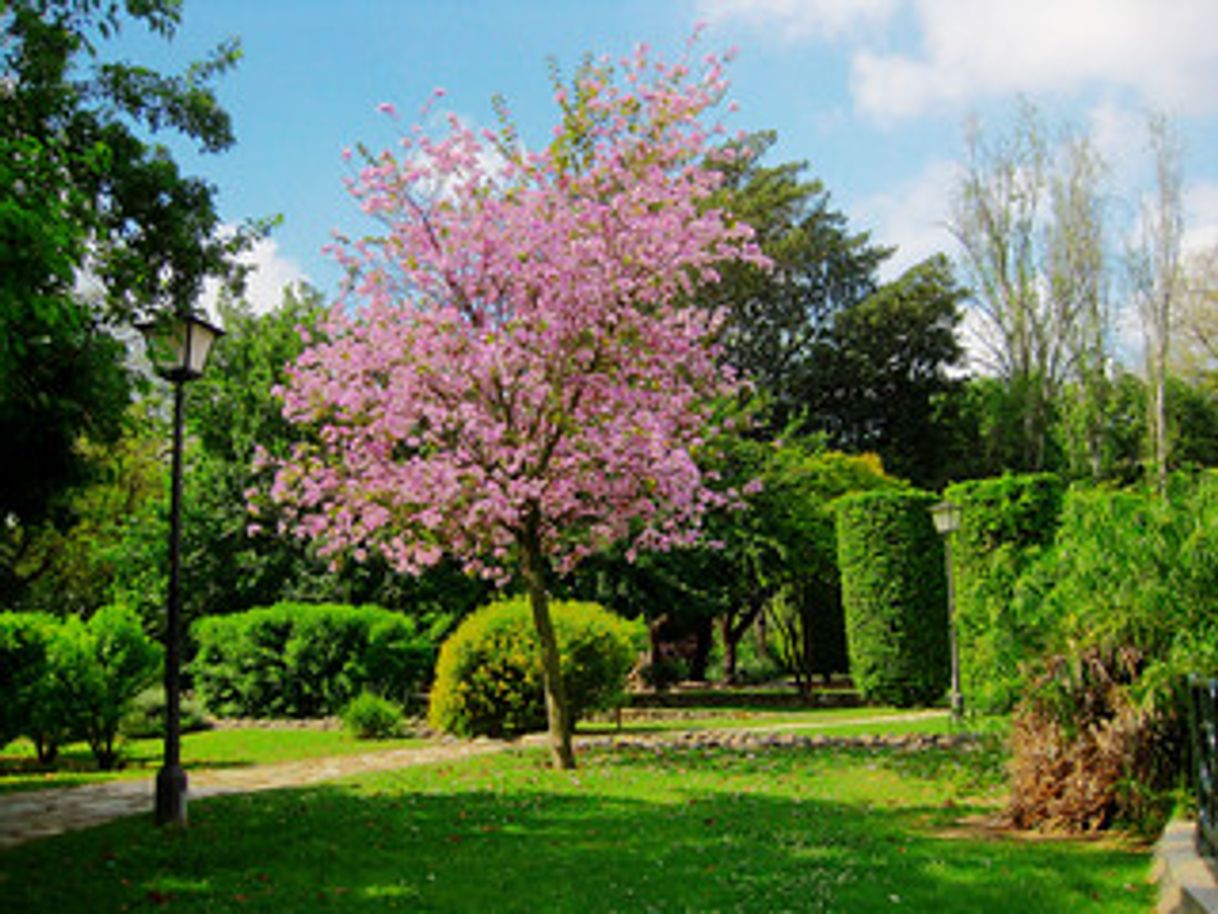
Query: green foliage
[1006, 524]
[832, 349]
[1130, 597]
[119, 662]
[306, 660]
[145, 718]
[370, 716]
[78, 181]
[72, 678]
[894, 593]
[489, 679]
[793, 516]
[23, 666]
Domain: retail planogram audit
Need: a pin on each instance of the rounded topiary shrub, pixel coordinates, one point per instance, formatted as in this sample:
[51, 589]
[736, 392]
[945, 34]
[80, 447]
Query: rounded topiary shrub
[895, 597]
[488, 678]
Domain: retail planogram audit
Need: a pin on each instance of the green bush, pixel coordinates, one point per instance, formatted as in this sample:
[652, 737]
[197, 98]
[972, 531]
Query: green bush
[75, 679]
[370, 716]
[145, 719]
[489, 679]
[1006, 524]
[304, 660]
[894, 595]
[119, 662]
[1128, 598]
[23, 666]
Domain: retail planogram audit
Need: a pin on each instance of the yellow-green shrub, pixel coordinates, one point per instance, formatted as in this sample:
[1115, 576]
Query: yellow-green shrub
[488, 677]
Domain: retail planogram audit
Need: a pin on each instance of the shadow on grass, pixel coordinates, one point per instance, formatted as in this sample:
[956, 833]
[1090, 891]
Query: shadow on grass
[627, 836]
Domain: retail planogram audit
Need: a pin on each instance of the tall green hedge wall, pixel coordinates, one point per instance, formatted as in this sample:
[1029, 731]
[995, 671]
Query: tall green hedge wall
[895, 597]
[1006, 524]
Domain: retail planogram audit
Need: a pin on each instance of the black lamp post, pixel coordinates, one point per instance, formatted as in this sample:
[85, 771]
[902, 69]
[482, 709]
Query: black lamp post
[946, 516]
[177, 347]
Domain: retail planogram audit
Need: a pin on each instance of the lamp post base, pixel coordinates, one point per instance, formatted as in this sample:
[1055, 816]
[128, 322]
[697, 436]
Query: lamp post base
[171, 796]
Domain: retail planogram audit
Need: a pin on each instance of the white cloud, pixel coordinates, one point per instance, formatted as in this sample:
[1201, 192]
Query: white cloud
[961, 51]
[1163, 51]
[1200, 217]
[913, 216]
[795, 20]
[265, 283]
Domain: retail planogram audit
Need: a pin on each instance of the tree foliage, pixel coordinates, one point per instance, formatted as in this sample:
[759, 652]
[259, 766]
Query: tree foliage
[84, 195]
[523, 384]
[894, 593]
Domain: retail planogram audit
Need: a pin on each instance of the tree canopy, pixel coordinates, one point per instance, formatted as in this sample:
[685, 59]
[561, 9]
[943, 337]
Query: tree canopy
[524, 384]
[97, 226]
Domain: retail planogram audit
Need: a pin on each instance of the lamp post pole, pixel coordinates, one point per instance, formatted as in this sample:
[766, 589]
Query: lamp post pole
[947, 520]
[178, 348]
[957, 698]
[171, 779]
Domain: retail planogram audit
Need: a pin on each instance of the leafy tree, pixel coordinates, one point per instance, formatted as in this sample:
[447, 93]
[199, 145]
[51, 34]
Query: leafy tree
[875, 381]
[827, 344]
[1156, 274]
[1030, 227]
[73, 571]
[779, 318]
[81, 193]
[523, 383]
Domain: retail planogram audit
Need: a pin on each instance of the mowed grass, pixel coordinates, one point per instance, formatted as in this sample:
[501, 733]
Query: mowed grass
[660, 829]
[243, 747]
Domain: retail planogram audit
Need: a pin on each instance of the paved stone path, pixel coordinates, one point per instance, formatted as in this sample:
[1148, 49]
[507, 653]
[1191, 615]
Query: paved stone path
[25, 816]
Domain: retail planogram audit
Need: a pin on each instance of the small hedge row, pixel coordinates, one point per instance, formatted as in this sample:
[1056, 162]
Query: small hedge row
[895, 597]
[302, 660]
[65, 679]
[489, 679]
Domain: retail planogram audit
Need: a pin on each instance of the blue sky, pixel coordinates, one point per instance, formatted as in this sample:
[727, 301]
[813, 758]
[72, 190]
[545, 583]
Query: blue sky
[871, 93]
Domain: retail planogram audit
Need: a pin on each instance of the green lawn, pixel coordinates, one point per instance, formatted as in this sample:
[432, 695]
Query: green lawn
[19, 769]
[631, 830]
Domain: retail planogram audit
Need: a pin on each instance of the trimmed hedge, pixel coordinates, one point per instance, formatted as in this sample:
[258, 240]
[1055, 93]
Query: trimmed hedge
[1006, 525]
[62, 680]
[895, 597]
[304, 660]
[489, 678]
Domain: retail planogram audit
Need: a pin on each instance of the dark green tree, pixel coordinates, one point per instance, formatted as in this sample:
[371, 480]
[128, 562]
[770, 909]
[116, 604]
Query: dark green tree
[86, 201]
[778, 319]
[830, 346]
[874, 381]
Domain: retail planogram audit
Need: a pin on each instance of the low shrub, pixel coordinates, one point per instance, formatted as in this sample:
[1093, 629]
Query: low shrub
[370, 716]
[489, 678]
[306, 660]
[1085, 755]
[145, 719]
[77, 679]
[119, 662]
[23, 666]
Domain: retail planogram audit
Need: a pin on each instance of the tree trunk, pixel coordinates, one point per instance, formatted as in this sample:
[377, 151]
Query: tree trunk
[558, 715]
[704, 640]
[729, 649]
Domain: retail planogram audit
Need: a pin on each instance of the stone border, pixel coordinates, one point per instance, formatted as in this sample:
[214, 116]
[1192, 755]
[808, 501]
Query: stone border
[1187, 882]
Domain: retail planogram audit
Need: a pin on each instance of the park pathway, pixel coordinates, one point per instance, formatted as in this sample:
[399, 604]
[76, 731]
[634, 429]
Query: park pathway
[25, 816]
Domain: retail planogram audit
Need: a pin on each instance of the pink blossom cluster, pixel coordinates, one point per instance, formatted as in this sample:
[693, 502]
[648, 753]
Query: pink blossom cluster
[525, 360]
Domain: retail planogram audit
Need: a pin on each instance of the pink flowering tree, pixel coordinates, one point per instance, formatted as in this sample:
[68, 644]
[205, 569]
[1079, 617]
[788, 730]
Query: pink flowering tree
[524, 381]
